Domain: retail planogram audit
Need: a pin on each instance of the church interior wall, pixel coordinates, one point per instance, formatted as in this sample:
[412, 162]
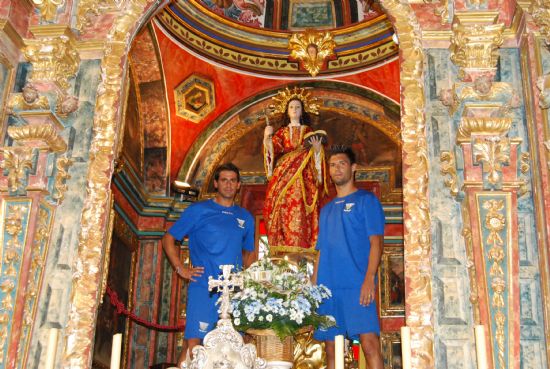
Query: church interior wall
[64, 269]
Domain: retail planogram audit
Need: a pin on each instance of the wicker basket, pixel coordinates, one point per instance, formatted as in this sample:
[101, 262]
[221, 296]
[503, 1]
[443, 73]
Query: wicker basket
[270, 347]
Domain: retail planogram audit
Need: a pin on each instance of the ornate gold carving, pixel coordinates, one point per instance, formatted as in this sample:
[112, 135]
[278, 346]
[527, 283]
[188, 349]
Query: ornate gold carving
[417, 232]
[540, 10]
[38, 261]
[66, 104]
[448, 167]
[94, 221]
[492, 153]
[60, 186]
[482, 126]
[29, 99]
[195, 98]
[10, 254]
[53, 56]
[475, 46]
[48, 8]
[543, 84]
[442, 11]
[496, 222]
[474, 296]
[87, 10]
[17, 161]
[524, 168]
[483, 89]
[284, 96]
[312, 48]
[45, 133]
[308, 353]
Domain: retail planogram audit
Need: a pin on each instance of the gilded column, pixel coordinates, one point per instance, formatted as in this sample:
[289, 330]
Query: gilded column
[35, 168]
[486, 181]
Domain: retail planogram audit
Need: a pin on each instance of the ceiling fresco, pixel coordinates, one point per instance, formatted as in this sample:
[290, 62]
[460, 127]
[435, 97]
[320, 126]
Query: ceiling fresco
[294, 15]
[217, 117]
[233, 89]
[266, 51]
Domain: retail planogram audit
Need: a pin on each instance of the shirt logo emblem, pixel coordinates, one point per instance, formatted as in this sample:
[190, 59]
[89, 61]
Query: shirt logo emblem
[203, 326]
[348, 207]
[241, 222]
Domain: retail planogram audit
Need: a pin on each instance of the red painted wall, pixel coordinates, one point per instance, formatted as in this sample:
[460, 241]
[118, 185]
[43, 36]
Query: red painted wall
[231, 88]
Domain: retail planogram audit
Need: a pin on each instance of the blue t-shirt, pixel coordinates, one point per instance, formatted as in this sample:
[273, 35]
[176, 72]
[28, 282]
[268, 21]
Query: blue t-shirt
[344, 228]
[217, 236]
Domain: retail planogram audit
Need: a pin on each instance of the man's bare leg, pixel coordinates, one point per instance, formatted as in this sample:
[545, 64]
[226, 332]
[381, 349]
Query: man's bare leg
[371, 348]
[329, 350]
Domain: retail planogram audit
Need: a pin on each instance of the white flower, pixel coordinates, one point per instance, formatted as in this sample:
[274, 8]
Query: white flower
[269, 317]
[236, 321]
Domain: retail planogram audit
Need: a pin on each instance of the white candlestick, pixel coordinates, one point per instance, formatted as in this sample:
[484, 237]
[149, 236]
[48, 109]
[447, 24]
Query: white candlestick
[406, 347]
[339, 352]
[115, 352]
[52, 348]
[481, 349]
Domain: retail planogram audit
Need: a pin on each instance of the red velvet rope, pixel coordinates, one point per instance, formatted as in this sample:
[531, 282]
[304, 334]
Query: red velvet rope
[121, 309]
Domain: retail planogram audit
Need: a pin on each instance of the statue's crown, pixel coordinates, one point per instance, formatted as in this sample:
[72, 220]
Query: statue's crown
[284, 96]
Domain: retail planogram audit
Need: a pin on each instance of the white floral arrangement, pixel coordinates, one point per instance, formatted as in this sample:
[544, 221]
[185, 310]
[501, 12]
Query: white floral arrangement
[279, 296]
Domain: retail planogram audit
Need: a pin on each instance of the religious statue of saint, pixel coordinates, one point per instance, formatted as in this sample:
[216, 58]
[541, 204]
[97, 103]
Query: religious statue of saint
[295, 166]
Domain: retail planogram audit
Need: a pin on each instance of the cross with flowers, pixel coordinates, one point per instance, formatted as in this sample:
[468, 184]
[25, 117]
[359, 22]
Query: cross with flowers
[226, 284]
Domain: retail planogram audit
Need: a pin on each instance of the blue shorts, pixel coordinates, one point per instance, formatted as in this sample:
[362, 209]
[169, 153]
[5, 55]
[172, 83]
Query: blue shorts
[352, 319]
[202, 312]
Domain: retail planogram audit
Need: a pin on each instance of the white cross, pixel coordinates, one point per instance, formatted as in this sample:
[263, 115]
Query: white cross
[226, 284]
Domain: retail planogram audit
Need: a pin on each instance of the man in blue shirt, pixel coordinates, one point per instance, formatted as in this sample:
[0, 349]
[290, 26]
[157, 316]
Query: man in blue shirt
[219, 233]
[351, 229]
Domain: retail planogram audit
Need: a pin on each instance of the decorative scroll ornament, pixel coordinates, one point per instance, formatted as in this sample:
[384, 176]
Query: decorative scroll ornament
[87, 276]
[53, 59]
[417, 237]
[525, 166]
[492, 153]
[470, 126]
[312, 49]
[60, 186]
[496, 222]
[18, 162]
[448, 167]
[284, 96]
[87, 10]
[475, 46]
[540, 10]
[48, 8]
[39, 132]
[28, 99]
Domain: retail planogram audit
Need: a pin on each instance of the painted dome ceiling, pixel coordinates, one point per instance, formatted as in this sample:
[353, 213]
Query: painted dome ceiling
[255, 35]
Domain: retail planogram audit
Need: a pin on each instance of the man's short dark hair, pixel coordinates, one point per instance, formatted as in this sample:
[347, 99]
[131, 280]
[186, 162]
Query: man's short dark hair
[227, 167]
[342, 149]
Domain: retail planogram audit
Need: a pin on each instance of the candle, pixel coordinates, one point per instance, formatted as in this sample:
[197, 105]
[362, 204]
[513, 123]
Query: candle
[115, 352]
[52, 348]
[481, 350]
[406, 347]
[339, 352]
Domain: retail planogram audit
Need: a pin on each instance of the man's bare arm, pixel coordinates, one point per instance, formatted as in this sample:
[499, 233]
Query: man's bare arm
[172, 252]
[368, 287]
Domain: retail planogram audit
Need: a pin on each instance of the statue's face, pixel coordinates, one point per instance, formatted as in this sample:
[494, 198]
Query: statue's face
[294, 109]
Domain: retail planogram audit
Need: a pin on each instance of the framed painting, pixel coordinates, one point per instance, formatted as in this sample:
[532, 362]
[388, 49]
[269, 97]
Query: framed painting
[392, 282]
[311, 14]
[391, 350]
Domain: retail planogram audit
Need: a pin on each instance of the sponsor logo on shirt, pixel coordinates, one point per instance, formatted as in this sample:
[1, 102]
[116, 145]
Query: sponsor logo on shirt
[227, 212]
[203, 326]
[240, 222]
[348, 207]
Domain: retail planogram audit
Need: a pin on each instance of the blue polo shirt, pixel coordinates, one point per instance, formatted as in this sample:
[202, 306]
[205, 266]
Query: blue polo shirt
[217, 236]
[345, 225]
